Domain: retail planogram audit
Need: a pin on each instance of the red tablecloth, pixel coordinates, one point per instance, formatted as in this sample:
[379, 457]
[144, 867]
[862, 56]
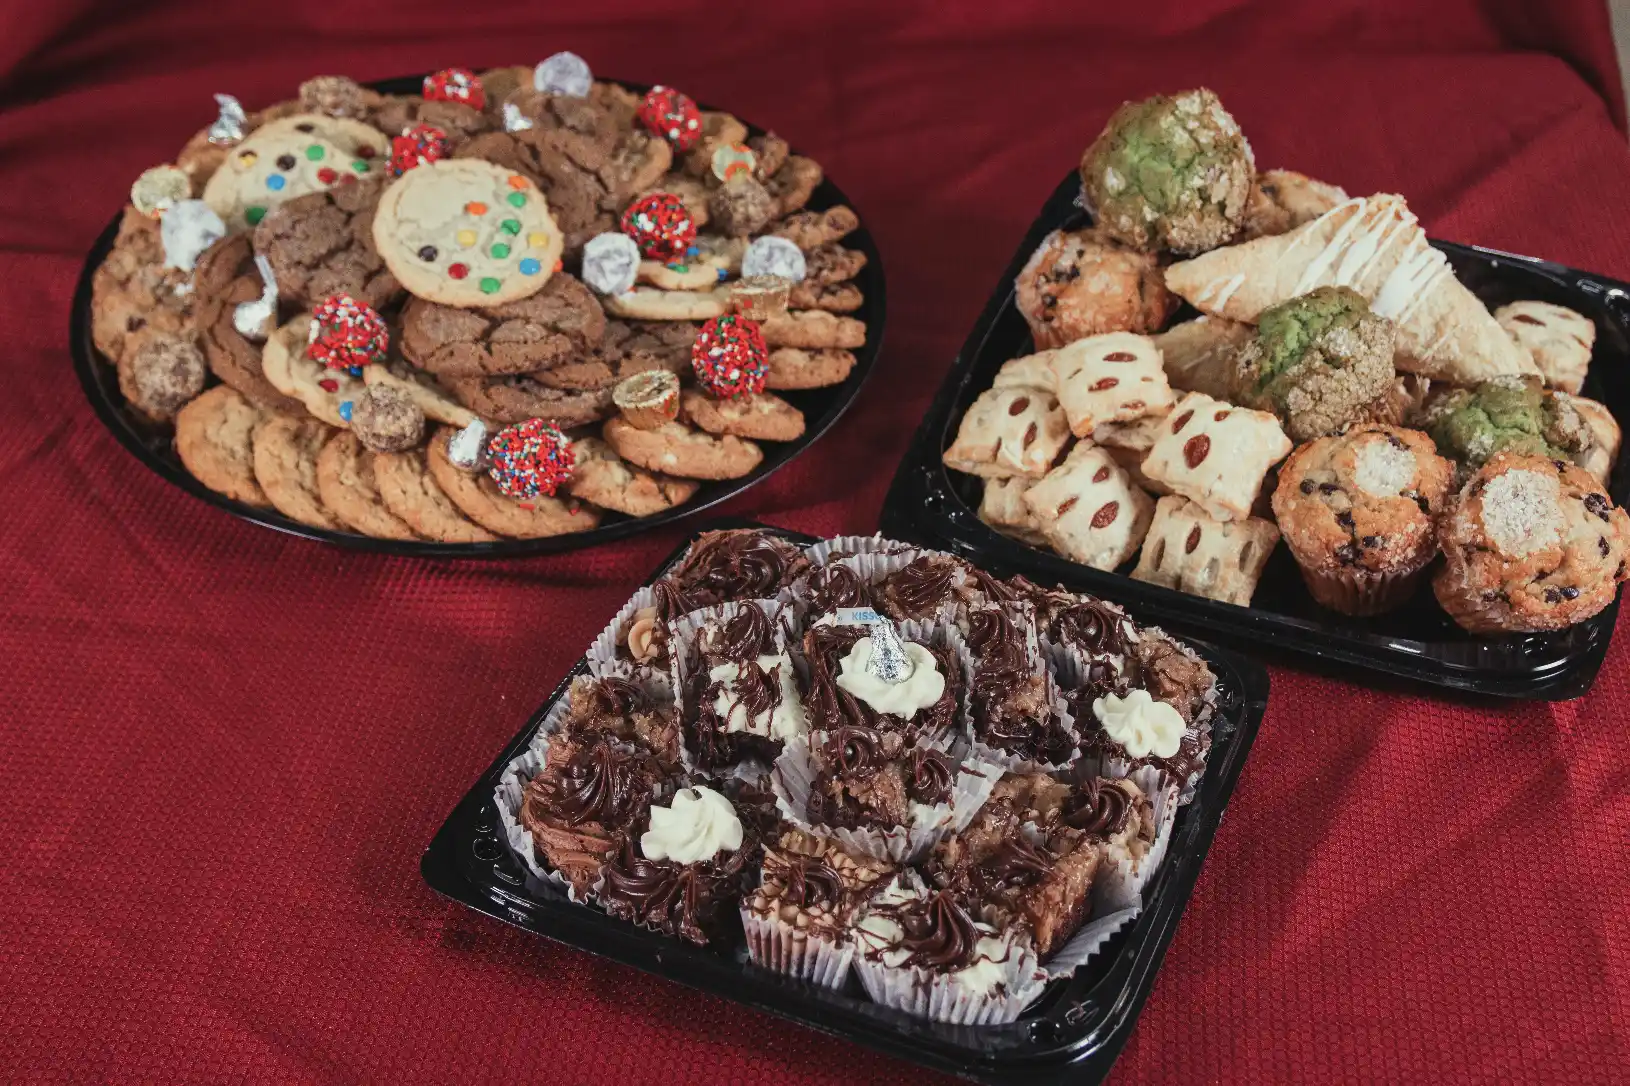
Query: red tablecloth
[222, 750]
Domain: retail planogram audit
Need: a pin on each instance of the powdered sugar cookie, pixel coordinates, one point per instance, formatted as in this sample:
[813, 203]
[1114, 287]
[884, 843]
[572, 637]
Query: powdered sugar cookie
[467, 233]
[295, 156]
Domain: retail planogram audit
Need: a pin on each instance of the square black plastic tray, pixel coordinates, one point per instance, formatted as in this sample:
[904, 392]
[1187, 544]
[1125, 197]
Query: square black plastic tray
[1074, 1032]
[930, 504]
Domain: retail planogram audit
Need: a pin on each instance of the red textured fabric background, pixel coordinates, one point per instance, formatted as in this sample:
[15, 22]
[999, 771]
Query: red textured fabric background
[222, 751]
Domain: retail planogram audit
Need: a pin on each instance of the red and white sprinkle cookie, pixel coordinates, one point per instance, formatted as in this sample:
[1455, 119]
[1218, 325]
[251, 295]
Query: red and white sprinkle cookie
[455, 85]
[661, 225]
[730, 357]
[671, 115]
[419, 145]
[347, 334]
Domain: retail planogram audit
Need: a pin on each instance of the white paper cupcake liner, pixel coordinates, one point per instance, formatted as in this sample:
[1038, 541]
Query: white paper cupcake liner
[1087, 942]
[795, 773]
[929, 994]
[774, 944]
[511, 789]
[1121, 879]
[1014, 763]
[821, 551]
[603, 657]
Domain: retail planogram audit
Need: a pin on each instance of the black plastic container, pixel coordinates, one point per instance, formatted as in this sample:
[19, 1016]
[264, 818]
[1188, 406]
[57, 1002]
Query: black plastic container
[1420, 644]
[154, 446]
[1074, 1032]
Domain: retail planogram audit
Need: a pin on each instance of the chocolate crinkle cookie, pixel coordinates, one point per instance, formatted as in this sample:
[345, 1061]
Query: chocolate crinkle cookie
[561, 322]
[323, 244]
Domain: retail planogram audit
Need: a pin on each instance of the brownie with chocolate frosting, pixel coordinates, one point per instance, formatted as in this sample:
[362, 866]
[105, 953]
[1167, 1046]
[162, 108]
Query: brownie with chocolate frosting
[743, 699]
[921, 588]
[1011, 696]
[1170, 673]
[619, 708]
[911, 926]
[593, 793]
[737, 564]
[860, 782]
[827, 588]
[831, 706]
[1010, 880]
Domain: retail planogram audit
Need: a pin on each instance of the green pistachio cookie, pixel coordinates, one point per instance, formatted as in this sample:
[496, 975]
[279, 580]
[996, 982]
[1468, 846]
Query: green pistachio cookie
[1170, 173]
[1318, 361]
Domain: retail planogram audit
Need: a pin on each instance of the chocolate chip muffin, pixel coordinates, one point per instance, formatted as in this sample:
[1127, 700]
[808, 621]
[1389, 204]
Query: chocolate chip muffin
[1085, 283]
[1357, 513]
[1530, 544]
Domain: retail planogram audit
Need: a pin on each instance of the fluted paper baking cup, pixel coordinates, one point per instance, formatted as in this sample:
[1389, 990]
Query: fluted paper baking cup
[1088, 941]
[774, 944]
[939, 996]
[820, 552]
[684, 655]
[511, 789]
[1122, 877]
[794, 775]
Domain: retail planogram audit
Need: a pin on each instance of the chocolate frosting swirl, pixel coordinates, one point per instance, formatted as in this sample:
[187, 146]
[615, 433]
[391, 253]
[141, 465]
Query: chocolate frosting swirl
[832, 587]
[996, 641]
[600, 784]
[829, 704]
[855, 752]
[737, 565]
[651, 888]
[923, 585]
[1092, 625]
[931, 776]
[939, 934]
[1097, 807]
[671, 601]
[622, 696]
[1043, 740]
[810, 881]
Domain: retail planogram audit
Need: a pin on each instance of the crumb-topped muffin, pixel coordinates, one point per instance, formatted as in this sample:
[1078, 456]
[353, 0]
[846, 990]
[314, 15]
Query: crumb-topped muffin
[1530, 544]
[1356, 511]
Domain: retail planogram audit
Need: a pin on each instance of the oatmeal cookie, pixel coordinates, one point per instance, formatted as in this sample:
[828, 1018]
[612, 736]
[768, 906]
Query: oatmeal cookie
[286, 451]
[214, 434]
[348, 489]
[134, 292]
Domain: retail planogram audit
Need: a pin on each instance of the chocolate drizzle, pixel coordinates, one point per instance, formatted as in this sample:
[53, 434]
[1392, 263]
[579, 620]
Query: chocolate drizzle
[679, 899]
[939, 933]
[746, 635]
[832, 587]
[1091, 625]
[616, 696]
[810, 881]
[670, 600]
[931, 776]
[1097, 807]
[830, 706]
[922, 586]
[739, 565]
[1016, 862]
[854, 752]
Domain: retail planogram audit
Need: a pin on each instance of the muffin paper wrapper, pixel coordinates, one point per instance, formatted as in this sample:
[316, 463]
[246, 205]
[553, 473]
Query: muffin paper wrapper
[1007, 760]
[795, 773]
[928, 994]
[1088, 941]
[1363, 594]
[682, 638]
[821, 551]
[774, 944]
[511, 787]
[603, 659]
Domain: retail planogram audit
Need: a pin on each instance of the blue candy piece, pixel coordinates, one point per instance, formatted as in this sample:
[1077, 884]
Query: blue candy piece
[354, 371]
[530, 267]
[724, 274]
[275, 182]
[345, 410]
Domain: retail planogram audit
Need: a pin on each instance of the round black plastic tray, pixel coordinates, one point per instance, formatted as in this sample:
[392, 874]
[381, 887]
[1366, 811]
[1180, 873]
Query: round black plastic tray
[1418, 644]
[154, 446]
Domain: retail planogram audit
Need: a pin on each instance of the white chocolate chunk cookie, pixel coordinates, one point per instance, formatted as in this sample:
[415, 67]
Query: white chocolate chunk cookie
[1110, 378]
[1089, 510]
[467, 233]
[1194, 553]
[1216, 454]
[1009, 431]
[1559, 339]
[295, 156]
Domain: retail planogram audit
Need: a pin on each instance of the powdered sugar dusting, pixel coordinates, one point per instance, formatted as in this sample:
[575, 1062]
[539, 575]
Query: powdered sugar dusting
[1522, 511]
[1383, 469]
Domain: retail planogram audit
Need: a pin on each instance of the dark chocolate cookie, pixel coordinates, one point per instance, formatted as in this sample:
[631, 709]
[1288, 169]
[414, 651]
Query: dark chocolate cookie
[323, 244]
[562, 321]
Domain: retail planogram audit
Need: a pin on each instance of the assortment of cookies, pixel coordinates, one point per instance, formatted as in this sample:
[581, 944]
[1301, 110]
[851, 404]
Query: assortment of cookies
[500, 308]
[1339, 388]
[876, 766]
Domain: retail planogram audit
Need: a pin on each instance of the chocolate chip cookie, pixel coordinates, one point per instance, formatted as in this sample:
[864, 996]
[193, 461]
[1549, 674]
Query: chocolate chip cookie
[133, 291]
[607, 480]
[675, 449]
[348, 488]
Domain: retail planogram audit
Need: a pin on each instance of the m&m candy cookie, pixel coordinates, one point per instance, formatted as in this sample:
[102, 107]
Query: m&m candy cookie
[294, 156]
[671, 115]
[467, 233]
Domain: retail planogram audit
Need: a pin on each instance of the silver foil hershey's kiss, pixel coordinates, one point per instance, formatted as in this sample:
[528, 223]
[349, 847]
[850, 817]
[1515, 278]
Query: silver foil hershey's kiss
[563, 73]
[889, 661]
[255, 319]
[228, 128]
[467, 449]
[514, 119]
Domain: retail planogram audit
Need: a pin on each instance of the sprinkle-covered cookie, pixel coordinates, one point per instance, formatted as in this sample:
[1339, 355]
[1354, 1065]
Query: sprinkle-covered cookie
[467, 233]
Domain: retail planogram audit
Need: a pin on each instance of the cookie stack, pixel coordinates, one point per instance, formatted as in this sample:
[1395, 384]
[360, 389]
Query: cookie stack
[503, 307]
[862, 758]
[1330, 332]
